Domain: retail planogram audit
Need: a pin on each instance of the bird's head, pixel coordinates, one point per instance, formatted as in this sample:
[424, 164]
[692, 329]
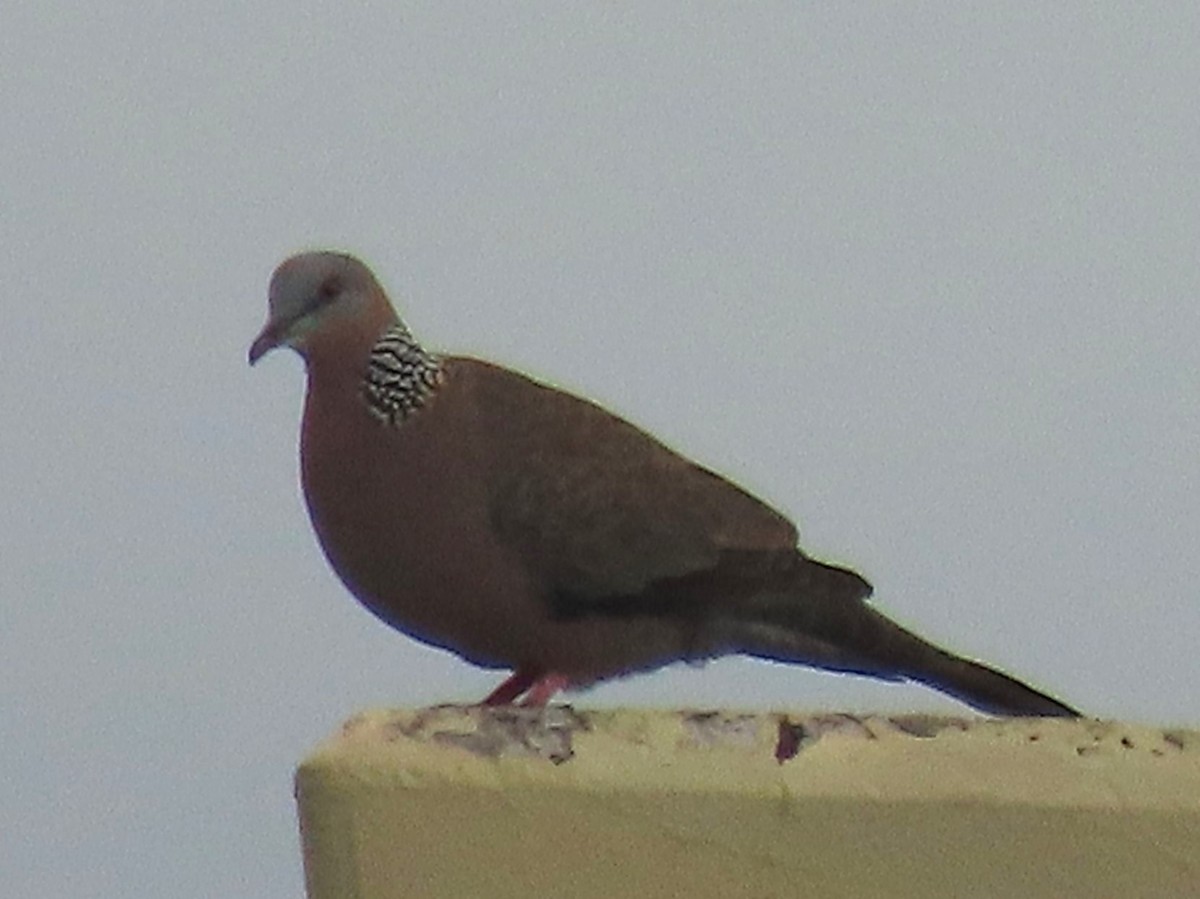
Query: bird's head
[320, 295]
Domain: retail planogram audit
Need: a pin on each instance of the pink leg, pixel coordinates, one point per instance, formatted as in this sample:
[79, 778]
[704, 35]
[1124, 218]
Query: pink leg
[516, 684]
[543, 689]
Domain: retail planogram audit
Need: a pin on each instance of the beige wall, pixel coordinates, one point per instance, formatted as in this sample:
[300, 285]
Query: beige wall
[462, 802]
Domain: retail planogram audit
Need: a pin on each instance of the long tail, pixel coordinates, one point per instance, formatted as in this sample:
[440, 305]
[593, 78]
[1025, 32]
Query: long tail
[824, 621]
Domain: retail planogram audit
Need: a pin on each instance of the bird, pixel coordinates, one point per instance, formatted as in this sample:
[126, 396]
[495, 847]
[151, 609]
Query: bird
[530, 530]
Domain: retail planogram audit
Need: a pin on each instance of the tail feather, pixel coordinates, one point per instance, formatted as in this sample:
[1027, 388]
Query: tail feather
[824, 622]
[987, 688]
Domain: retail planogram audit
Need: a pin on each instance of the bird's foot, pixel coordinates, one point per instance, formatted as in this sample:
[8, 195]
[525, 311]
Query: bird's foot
[516, 684]
[537, 688]
[545, 688]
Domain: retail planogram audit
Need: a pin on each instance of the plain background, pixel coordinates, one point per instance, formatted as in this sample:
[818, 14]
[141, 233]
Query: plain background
[923, 275]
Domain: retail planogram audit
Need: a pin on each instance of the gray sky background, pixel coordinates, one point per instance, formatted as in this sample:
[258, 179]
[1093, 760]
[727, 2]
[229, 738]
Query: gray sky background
[923, 275]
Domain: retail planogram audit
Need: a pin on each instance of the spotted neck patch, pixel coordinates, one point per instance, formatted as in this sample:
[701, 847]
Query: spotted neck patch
[401, 376]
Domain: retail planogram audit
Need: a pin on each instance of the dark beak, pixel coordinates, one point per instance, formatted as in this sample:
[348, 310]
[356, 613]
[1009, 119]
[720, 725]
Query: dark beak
[266, 341]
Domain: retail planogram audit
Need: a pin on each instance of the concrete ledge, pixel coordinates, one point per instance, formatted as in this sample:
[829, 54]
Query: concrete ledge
[467, 801]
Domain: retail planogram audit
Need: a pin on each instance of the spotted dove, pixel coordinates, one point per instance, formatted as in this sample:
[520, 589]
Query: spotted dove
[525, 528]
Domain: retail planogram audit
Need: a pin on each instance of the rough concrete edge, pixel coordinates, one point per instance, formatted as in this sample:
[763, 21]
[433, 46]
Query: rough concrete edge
[1085, 763]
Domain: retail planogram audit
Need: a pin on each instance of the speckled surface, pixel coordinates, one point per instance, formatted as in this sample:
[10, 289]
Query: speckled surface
[458, 801]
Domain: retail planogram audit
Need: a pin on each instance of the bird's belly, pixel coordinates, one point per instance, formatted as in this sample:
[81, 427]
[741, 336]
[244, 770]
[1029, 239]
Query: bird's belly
[493, 617]
[446, 589]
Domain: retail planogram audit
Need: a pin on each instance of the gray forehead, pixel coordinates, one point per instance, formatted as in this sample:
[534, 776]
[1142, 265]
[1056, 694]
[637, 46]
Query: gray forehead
[298, 280]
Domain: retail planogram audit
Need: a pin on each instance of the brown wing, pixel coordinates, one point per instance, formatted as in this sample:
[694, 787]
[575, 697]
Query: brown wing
[597, 507]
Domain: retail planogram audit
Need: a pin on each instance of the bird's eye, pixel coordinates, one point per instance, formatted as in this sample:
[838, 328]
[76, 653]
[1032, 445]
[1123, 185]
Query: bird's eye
[329, 289]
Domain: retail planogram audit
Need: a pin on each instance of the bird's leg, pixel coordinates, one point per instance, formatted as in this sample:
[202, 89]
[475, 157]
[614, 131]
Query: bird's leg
[516, 684]
[544, 688]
